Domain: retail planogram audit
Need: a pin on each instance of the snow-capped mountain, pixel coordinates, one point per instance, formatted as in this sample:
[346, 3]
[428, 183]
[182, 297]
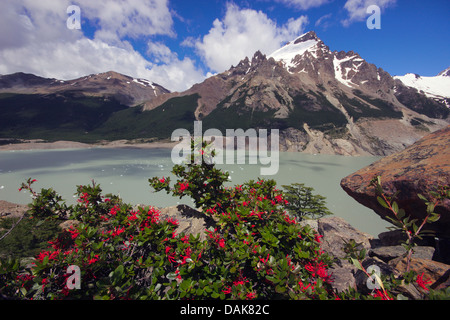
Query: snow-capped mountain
[322, 101]
[127, 90]
[437, 87]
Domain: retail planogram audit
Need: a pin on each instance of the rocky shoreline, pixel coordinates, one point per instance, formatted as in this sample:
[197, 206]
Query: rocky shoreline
[43, 145]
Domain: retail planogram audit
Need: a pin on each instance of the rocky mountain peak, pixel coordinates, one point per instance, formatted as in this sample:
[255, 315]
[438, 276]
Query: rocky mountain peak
[445, 73]
[311, 35]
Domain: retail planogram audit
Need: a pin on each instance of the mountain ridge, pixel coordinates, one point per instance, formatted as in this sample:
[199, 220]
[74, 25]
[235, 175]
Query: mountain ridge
[127, 90]
[322, 101]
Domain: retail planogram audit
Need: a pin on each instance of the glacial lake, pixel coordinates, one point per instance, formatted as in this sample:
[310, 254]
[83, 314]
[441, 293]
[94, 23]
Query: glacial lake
[125, 171]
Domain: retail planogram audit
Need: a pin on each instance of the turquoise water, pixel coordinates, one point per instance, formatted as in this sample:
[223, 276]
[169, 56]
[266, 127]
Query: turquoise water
[126, 172]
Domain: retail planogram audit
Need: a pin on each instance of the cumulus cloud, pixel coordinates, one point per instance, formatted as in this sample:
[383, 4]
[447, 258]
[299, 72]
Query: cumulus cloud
[357, 9]
[35, 39]
[241, 33]
[132, 18]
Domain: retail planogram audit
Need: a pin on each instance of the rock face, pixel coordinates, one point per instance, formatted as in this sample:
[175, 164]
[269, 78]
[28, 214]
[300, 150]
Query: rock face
[190, 220]
[322, 101]
[382, 253]
[418, 169]
[11, 210]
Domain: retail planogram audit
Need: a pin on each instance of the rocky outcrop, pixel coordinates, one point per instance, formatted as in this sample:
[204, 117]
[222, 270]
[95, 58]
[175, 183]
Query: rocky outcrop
[11, 210]
[419, 169]
[382, 253]
[190, 221]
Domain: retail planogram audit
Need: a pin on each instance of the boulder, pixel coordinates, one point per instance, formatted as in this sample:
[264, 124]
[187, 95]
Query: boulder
[418, 169]
[190, 221]
[434, 271]
[391, 252]
[12, 210]
[336, 232]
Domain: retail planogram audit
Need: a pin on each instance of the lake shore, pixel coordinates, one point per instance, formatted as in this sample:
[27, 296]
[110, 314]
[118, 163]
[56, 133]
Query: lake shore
[43, 145]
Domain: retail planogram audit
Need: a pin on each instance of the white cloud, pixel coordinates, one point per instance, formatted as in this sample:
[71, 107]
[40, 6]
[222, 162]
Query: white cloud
[35, 39]
[241, 33]
[357, 9]
[132, 18]
[160, 52]
[303, 4]
[322, 19]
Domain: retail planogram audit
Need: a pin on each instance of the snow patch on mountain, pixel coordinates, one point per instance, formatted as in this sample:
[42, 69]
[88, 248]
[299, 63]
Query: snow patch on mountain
[287, 53]
[433, 87]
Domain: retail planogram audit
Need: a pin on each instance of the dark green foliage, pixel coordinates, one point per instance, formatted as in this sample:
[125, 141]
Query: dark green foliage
[133, 123]
[237, 116]
[53, 117]
[325, 118]
[90, 119]
[420, 103]
[302, 203]
[374, 108]
[28, 238]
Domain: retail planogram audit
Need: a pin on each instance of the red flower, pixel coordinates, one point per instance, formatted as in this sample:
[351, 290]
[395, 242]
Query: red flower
[317, 238]
[50, 255]
[303, 288]
[114, 210]
[162, 180]
[84, 198]
[170, 256]
[73, 232]
[318, 269]
[183, 186]
[93, 260]
[227, 290]
[422, 283]
[132, 216]
[251, 296]
[173, 221]
[44, 282]
[118, 231]
[222, 243]
[381, 294]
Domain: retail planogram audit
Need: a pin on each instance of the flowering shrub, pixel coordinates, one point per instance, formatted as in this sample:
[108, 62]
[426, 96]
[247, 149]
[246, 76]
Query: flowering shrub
[255, 250]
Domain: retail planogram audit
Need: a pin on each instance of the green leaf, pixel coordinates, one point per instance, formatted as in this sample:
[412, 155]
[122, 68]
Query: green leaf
[357, 264]
[395, 207]
[421, 197]
[280, 289]
[401, 213]
[382, 202]
[434, 218]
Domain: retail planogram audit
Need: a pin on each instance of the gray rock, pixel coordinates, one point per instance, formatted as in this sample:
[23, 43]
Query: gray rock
[391, 252]
[336, 232]
[342, 274]
[190, 221]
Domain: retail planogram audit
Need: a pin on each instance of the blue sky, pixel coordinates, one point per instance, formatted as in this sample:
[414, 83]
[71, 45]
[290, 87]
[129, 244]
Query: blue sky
[178, 43]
